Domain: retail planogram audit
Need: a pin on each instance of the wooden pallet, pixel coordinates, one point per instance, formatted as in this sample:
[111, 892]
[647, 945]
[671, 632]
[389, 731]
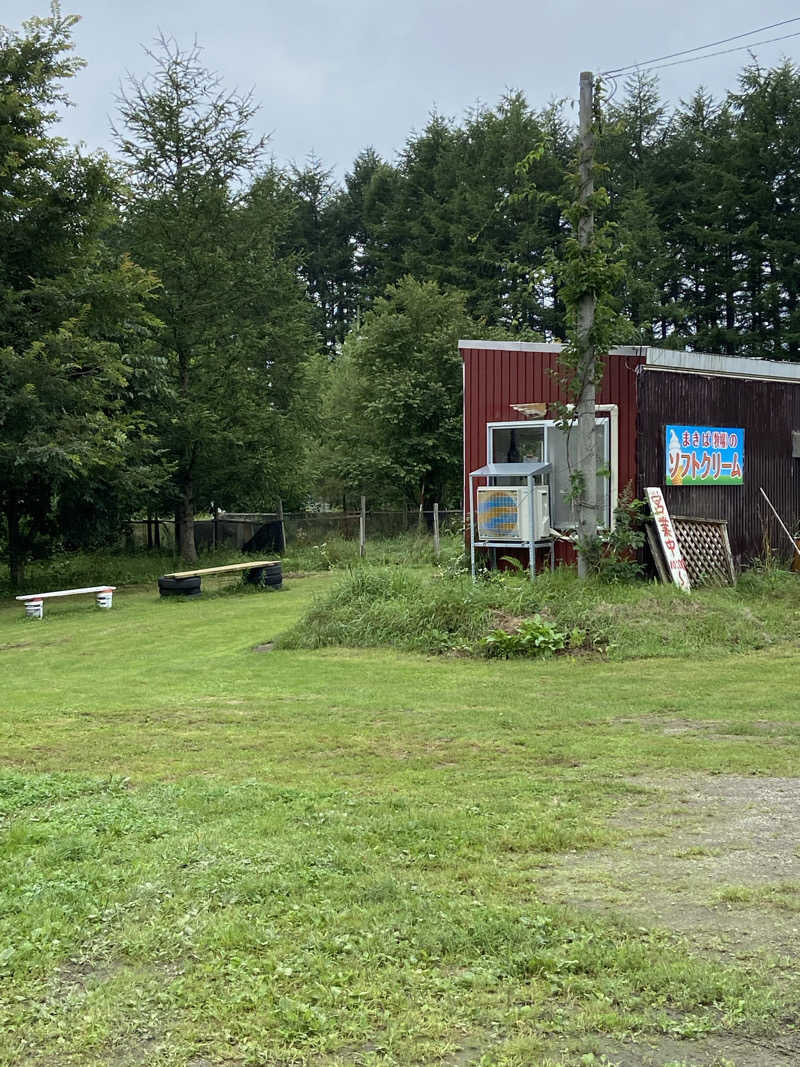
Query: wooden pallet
[705, 547]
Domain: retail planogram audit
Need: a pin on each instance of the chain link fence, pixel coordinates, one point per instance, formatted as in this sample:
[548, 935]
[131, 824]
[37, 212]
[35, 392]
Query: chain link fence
[254, 532]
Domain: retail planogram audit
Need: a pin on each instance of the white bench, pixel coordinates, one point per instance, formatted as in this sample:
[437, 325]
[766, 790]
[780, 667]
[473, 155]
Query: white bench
[34, 602]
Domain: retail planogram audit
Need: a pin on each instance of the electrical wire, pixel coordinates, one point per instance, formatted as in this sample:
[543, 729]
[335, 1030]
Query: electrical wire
[726, 51]
[612, 82]
[712, 44]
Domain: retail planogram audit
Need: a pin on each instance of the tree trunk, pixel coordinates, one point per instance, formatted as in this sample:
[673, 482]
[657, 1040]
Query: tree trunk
[187, 547]
[184, 512]
[791, 306]
[16, 553]
[585, 406]
[587, 467]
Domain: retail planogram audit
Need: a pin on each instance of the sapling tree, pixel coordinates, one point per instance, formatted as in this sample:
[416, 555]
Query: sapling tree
[587, 272]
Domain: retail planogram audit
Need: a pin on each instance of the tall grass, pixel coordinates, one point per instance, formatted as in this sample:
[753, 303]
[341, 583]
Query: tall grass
[411, 610]
[410, 549]
[397, 597]
[68, 570]
[65, 570]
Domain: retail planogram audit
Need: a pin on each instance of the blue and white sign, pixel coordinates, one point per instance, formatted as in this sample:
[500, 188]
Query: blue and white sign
[704, 455]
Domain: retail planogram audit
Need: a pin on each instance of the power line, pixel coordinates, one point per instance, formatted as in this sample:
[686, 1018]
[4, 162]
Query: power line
[726, 51]
[712, 44]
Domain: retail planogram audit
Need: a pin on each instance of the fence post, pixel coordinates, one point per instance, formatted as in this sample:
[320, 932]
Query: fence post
[157, 533]
[362, 528]
[436, 546]
[283, 526]
[214, 526]
[149, 532]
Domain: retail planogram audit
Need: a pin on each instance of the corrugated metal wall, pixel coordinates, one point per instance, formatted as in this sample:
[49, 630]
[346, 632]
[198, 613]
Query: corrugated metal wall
[767, 410]
[494, 379]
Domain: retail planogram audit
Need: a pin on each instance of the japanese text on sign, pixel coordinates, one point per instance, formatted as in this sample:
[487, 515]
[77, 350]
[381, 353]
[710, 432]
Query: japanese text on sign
[667, 537]
[704, 455]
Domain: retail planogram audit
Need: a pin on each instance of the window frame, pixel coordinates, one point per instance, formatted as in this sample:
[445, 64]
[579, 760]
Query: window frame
[547, 425]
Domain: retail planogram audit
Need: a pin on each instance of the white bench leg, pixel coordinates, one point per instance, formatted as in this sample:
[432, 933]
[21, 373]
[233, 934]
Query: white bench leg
[104, 599]
[34, 609]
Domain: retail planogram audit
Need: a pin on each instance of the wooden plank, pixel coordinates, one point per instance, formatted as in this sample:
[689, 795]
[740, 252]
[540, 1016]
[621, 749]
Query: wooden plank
[69, 592]
[221, 570]
[655, 551]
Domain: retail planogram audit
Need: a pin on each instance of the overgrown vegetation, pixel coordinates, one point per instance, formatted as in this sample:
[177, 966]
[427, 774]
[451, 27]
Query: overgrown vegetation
[214, 855]
[399, 597]
[407, 609]
[67, 570]
[613, 555]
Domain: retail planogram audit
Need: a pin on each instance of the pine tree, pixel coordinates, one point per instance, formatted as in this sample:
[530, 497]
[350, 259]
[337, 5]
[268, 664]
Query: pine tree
[767, 164]
[235, 332]
[73, 323]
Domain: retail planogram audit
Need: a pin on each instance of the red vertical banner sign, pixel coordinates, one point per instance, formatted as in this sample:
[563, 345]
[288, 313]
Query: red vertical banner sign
[668, 539]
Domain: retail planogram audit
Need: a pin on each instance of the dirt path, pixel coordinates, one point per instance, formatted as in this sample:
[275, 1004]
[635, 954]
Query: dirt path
[716, 859]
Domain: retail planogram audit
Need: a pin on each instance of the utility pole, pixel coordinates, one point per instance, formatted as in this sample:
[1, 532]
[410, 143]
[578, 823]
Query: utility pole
[585, 406]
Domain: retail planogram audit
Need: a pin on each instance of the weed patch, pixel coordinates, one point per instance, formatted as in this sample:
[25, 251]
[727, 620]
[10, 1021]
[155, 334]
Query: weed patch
[505, 615]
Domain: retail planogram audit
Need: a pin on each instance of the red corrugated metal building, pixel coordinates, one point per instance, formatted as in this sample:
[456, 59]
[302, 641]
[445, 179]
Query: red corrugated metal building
[509, 387]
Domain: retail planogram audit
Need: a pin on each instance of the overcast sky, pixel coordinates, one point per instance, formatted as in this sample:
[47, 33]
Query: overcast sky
[333, 76]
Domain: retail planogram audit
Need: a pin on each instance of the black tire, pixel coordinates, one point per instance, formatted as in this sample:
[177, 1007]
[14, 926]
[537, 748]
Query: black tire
[179, 586]
[269, 577]
[273, 576]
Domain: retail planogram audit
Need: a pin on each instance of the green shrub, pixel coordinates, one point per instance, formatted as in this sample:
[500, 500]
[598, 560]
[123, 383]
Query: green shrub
[532, 637]
[612, 555]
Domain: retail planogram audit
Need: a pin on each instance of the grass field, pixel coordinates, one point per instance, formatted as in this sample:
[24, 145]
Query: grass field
[213, 855]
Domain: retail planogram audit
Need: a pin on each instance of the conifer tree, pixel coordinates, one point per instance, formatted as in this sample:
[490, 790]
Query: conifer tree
[73, 322]
[234, 321]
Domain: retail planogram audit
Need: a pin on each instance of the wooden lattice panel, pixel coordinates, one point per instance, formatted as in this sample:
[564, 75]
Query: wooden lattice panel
[706, 550]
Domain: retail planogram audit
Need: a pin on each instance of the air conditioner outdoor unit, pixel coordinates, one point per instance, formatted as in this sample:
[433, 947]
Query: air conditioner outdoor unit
[504, 513]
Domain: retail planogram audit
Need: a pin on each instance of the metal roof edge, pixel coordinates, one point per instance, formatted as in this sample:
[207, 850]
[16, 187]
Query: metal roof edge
[512, 346]
[668, 359]
[536, 346]
[665, 359]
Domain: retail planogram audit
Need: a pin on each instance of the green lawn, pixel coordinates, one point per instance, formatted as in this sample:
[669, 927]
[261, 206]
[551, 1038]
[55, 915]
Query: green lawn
[212, 855]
